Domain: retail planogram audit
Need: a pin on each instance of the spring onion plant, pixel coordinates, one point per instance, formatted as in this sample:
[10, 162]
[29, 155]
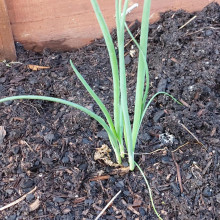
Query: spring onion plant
[120, 130]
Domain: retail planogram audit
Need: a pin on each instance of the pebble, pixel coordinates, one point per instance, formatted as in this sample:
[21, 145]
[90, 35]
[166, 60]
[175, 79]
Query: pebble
[120, 184]
[12, 217]
[92, 183]
[158, 115]
[9, 191]
[48, 138]
[65, 160]
[218, 198]
[14, 135]
[86, 141]
[208, 33]
[142, 211]
[102, 134]
[125, 164]
[30, 197]
[188, 176]
[175, 189]
[127, 59]
[8, 102]
[166, 160]
[83, 166]
[16, 150]
[162, 85]
[207, 192]
[89, 202]
[145, 137]
[126, 193]
[58, 199]
[47, 160]
[27, 184]
[216, 51]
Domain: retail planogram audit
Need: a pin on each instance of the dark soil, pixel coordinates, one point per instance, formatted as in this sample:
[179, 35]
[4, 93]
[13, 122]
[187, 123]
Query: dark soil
[51, 146]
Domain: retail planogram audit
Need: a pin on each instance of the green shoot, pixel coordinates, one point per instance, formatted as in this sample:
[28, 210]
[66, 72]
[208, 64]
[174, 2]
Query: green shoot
[149, 190]
[120, 130]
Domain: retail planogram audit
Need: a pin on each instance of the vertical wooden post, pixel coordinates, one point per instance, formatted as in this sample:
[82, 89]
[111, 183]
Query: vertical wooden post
[7, 47]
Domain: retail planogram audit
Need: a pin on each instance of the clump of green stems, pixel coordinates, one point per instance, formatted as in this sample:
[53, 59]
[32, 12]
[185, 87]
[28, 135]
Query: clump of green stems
[119, 130]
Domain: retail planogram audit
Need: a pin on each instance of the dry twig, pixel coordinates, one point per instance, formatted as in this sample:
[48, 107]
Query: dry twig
[190, 20]
[178, 172]
[18, 200]
[180, 147]
[110, 202]
[192, 135]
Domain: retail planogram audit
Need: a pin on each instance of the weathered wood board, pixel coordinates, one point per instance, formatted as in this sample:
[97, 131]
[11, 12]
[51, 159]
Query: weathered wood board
[7, 48]
[66, 24]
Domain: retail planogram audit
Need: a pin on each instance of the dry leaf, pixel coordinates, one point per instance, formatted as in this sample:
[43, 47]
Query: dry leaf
[120, 171]
[137, 202]
[36, 67]
[102, 153]
[2, 134]
[35, 205]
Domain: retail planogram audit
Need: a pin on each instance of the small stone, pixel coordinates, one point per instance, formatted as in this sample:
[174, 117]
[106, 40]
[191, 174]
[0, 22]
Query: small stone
[65, 159]
[120, 184]
[14, 135]
[9, 191]
[158, 115]
[12, 217]
[127, 193]
[142, 211]
[125, 164]
[16, 150]
[89, 202]
[166, 160]
[58, 199]
[218, 198]
[8, 102]
[175, 189]
[27, 184]
[30, 197]
[145, 137]
[208, 33]
[92, 183]
[47, 160]
[112, 179]
[86, 141]
[127, 60]
[83, 166]
[2, 80]
[102, 134]
[162, 85]
[188, 176]
[207, 192]
[48, 138]
[33, 80]
[216, 51]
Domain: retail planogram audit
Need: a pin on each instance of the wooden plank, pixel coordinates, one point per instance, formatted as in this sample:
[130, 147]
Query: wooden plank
[7, 47]
[66, 24]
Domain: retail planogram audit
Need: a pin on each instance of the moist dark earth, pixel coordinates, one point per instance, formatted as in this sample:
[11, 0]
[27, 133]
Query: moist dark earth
[51, 147]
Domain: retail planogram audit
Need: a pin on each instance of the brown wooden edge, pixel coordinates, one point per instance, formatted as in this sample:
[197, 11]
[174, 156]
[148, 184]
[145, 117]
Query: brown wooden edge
[7, 47]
